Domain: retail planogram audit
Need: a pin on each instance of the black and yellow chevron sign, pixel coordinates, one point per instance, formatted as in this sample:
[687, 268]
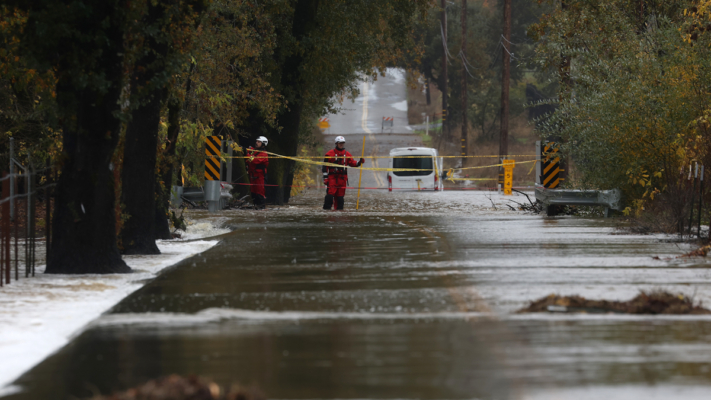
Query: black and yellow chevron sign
[213, 146]
[551, 166]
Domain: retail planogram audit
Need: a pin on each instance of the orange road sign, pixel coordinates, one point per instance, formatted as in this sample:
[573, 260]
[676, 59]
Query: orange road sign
[323, 123]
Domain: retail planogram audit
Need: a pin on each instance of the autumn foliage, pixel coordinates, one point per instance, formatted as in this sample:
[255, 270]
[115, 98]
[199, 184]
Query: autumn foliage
[633, 103]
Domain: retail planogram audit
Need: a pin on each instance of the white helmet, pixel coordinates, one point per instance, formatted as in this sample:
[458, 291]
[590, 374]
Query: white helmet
[264, 140]
[340, 139]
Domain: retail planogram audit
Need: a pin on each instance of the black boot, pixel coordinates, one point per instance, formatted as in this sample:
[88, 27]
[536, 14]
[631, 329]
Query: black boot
[328, 202]
[262, 202]
[259, 201]
[339, 203]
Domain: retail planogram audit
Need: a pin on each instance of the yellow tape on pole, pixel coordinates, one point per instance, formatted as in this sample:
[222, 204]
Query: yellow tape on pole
[361, 175]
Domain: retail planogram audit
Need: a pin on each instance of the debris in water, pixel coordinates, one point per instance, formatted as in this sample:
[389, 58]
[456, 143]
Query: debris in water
[700, 252]
[657, 302]
[176, 387]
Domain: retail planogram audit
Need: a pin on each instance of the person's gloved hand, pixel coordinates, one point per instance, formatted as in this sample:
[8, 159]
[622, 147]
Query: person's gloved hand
[361, 162]
[325, 179]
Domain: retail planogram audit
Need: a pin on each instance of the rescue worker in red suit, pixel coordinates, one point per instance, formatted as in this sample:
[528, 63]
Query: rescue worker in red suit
[257, 162]
[336, 178]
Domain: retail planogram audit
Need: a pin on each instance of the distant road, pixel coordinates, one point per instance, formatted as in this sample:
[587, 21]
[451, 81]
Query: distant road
[386, 97]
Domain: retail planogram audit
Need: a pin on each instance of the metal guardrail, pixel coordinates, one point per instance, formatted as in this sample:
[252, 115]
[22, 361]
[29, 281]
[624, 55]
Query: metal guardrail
[610, 199]
[217, 196]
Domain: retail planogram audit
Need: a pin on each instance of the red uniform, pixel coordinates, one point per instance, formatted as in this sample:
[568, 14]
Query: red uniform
[337, 177]
[257, 167]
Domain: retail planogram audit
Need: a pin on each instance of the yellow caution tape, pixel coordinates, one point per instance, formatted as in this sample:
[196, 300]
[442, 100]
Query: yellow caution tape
[373, 157]
[472, 179]
[326, 164]
[531, 170]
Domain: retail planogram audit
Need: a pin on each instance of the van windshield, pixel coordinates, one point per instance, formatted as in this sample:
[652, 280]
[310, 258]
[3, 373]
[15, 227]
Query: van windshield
[414, 163]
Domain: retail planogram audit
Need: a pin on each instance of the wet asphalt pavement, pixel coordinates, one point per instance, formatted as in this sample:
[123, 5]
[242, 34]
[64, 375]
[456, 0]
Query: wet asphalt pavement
[411, 297]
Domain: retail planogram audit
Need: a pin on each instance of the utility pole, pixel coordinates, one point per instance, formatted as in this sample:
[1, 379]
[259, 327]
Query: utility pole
[564, 69]
[465, 123]
[443, 86]
[505, 79]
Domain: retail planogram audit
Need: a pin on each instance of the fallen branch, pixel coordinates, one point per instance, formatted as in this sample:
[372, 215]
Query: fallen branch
[529, 199]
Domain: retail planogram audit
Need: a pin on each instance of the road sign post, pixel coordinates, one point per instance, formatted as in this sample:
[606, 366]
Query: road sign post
[508, 176]
[550, 176]
[388, 122]
[213, 149]
[360, 177]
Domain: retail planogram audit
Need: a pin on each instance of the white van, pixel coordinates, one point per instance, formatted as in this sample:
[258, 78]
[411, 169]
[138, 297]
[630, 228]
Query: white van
[423, 158]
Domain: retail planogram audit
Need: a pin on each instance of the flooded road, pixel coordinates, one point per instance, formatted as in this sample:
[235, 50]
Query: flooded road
[412, 297]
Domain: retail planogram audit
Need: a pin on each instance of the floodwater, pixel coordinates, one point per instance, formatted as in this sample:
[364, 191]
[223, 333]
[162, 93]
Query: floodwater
[412, 297]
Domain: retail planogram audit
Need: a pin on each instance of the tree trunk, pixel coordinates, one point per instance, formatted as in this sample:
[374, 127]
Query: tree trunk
[84, 226]
[281, 172]
[163, 192]
[139, 179]
[139, 192]
[427, 91]
[240, 179]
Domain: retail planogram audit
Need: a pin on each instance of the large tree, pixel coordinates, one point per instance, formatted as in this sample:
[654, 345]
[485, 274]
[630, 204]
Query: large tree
[633, 89]
[634, 106]
[226, 82]
[82, 40]
[159, 40]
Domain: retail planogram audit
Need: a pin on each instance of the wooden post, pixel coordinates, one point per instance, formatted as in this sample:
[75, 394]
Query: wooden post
[443, 81]
[362, 154]
[464, 82]
[505, 81]
[564, 69]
